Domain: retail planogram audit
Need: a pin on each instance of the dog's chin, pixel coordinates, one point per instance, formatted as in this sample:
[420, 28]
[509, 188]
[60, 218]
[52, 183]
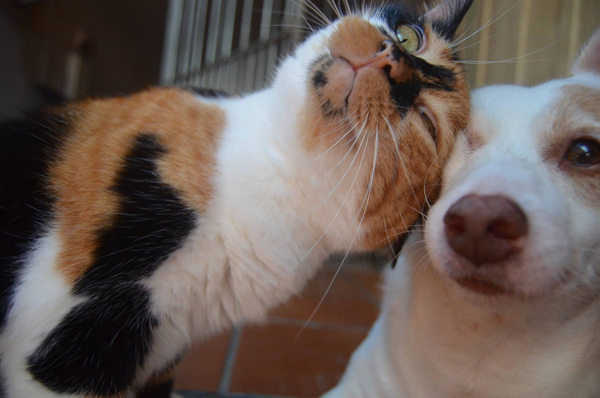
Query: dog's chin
[492, 287]
[478, 285]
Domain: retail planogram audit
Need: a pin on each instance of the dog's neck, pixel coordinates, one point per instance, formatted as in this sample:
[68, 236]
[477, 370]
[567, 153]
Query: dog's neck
[468, 349]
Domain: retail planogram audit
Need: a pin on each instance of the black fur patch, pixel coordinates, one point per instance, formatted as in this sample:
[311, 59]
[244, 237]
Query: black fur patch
[330, 111]
[404, 94]
[27, 148]
[434, 76]
[98, 347]
[150, 224]
[397, 14]
[319, 79]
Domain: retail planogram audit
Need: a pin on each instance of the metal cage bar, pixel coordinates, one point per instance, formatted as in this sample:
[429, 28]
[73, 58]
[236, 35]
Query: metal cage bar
[231, 45]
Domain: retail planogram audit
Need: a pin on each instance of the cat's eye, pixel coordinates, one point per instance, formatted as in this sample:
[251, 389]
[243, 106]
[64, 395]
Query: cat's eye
[583, 152]
[428, 123]
[410, 37]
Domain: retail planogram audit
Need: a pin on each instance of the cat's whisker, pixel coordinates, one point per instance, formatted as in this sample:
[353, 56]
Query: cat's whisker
[464, 32]
[335, 8]
[495, 18]
[331, 192]
[487, 38]
[340, 162]
[400, 158]
[308, 24]
[425, 193]
[365, 201]
[308, 17]
[396, 234]
[365, 137]
[348, 7]
[302, 28]
[313, 22]
[387, 236]
[519, 59]
[316, 12]
[342, 262]
[516, 60]
[336, 131]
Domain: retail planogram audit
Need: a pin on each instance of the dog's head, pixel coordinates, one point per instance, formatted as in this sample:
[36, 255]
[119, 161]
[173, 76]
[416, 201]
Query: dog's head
[519, 216]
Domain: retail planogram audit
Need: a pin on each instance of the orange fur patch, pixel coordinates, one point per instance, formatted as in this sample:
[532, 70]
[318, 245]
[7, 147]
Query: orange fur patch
[102, 132]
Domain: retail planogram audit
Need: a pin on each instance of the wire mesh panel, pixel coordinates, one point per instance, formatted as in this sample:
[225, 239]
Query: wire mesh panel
[231, 45]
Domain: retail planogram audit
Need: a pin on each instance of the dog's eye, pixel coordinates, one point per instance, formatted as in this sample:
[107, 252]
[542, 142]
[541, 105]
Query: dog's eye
[583, 153]
[410, 37]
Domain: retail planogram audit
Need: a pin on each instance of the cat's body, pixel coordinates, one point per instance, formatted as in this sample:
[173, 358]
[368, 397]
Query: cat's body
[131, 227]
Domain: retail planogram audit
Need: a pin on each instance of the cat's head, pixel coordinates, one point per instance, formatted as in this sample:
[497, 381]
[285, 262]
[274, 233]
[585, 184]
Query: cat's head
[383, 84]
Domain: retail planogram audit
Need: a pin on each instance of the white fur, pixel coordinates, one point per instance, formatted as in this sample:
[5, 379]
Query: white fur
[41, 300]
[435, 339]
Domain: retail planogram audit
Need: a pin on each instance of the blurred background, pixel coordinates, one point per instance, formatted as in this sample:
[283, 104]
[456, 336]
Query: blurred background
[53, 51]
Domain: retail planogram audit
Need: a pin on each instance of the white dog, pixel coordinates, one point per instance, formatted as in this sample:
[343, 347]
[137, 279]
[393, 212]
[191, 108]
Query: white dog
[501, 298]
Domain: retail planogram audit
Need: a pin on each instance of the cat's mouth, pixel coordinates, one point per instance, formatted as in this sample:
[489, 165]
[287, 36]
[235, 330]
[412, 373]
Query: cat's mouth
[344, 87]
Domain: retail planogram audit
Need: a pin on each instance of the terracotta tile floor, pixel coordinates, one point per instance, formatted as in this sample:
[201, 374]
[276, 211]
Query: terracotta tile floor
[288, 357]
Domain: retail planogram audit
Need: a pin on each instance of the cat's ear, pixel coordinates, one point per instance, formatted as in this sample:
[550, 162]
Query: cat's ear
[589, 58]
[446, 16]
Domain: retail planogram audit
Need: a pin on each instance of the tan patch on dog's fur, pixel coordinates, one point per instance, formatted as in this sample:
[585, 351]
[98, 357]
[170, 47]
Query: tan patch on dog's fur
[102, 133]
[575, 116]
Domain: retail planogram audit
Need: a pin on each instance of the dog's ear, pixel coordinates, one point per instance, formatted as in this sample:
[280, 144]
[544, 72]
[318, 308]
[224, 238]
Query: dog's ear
[446, 16]
[589, 59]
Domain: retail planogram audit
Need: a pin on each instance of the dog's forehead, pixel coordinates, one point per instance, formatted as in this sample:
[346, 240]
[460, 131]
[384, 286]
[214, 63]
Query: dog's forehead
[507, 115]
[578, 106]
[510, 108]
[517, 113]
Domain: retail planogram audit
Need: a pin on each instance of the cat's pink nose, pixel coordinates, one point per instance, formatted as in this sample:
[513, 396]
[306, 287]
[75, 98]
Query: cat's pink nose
[485, 229]
[389, 59]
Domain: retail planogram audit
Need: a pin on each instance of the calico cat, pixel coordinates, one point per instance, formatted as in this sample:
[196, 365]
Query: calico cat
[132, 226]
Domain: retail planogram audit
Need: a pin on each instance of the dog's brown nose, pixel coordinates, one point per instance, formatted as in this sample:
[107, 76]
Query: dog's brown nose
[485, 229]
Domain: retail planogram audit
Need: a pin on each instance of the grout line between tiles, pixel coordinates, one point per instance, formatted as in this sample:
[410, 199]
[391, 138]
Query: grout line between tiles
[234, 343]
